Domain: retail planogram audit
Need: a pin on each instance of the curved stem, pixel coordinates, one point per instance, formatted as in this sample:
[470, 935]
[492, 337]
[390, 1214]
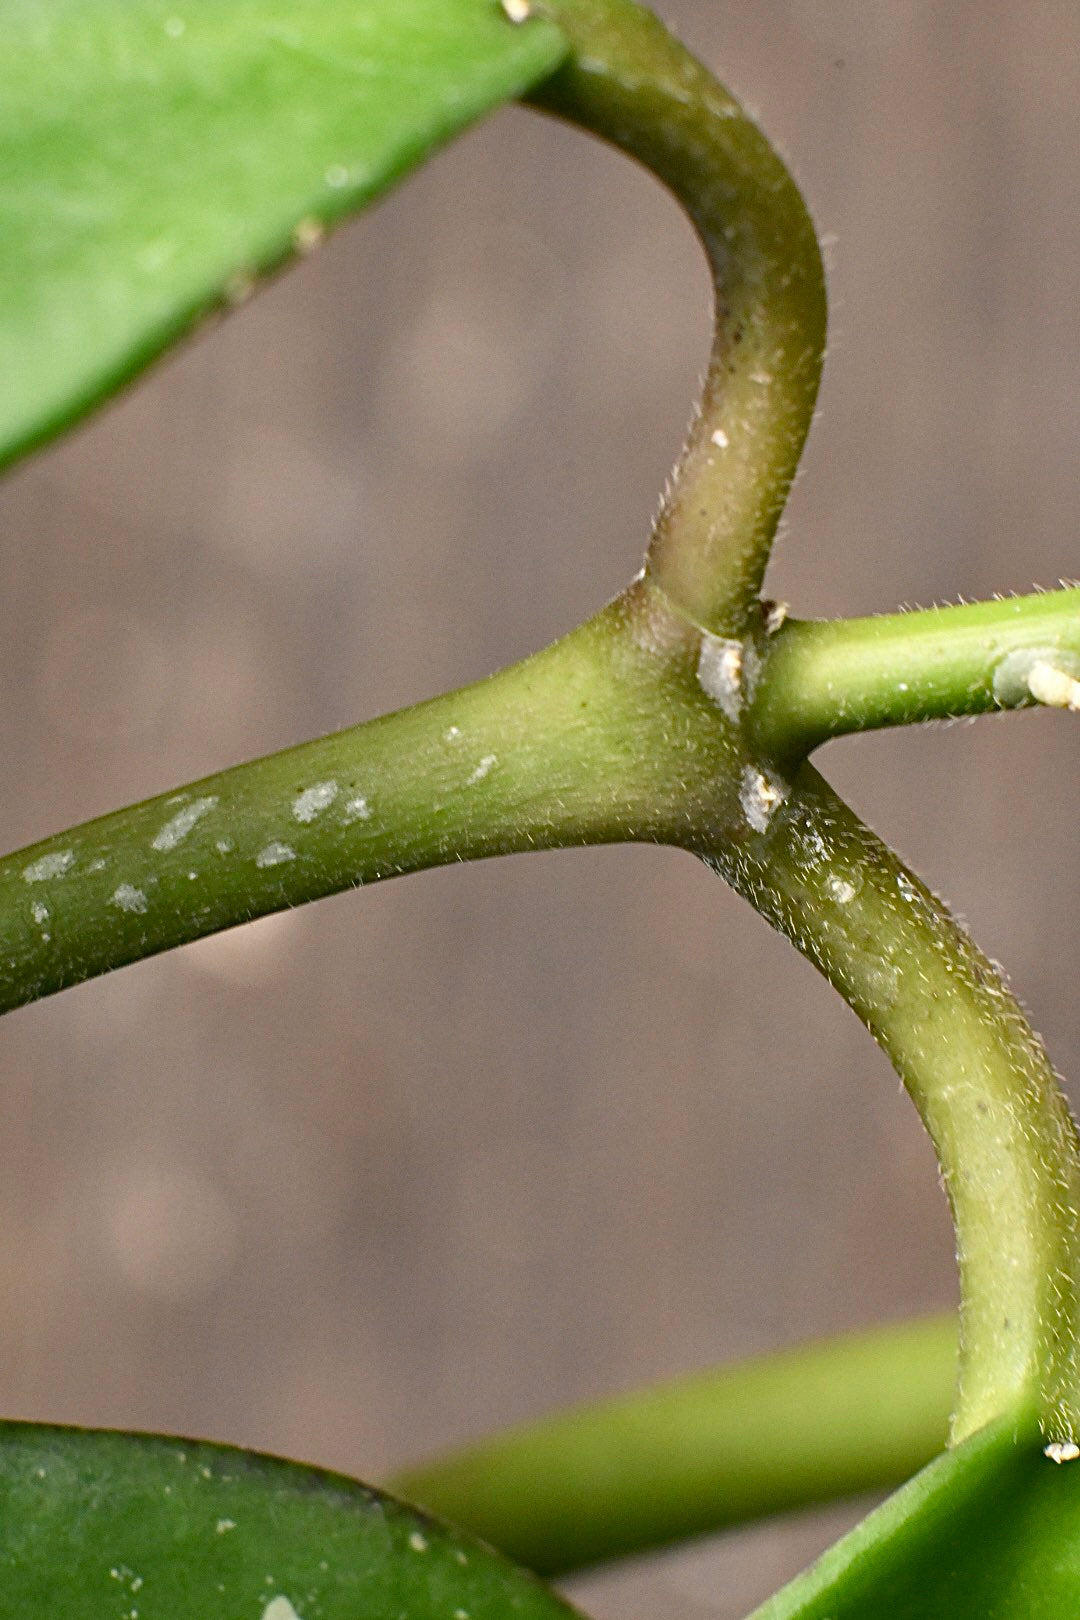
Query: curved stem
[781, 1432]
[975, 1070]
[603, 737]
[630, 82]
[825, 678]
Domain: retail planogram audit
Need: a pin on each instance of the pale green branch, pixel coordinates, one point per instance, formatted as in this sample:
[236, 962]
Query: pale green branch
[623, 1476]
[818, 679]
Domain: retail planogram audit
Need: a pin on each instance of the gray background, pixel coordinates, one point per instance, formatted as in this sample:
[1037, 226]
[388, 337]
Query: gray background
[375, 1177]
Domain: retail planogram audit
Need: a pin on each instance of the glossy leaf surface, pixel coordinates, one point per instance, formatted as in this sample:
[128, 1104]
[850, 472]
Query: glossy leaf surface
[104, 1526]
[158, 155]
[990, 1531]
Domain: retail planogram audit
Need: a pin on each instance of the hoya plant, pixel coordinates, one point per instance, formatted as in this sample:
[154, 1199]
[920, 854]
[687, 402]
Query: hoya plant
[157, 161]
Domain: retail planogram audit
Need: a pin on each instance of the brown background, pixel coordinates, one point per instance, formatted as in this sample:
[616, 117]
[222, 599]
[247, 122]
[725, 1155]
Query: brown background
[386, 1173]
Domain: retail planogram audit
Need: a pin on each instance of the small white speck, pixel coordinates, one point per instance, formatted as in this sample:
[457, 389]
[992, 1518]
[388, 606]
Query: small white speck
[175, 27]
[720, 439]
[841, 890]
[224, 1525]
[314, 800]
[357, 809]
[462, 1558]
[720, 671]
[39, 912]
[49, 866]
[224, 846]
[759, 798]
[762, 378]
[775, 616]
[1062, 1451]
[177, 828]
[336, 176]
[906, 887]
[483, 768]
[518, 11]
[461, 1614]
[128, 898]
[97, 866]
[279, 1608]
[451, 734]
[417, 1542]
[307, 235]
[901, 686]
[275, 854]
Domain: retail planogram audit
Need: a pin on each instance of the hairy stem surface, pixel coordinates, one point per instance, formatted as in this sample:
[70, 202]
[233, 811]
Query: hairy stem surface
[631, 83]
[604, 737]
[825, 678]
[978, 1075]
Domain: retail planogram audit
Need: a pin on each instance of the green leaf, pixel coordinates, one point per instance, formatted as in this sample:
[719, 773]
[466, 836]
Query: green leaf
[156, 156]
[104, 1526]
[989, 1531]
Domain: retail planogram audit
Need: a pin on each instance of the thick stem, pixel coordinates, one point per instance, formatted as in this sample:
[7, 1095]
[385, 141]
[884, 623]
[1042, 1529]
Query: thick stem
[785, 1431]
[631, 83]
[604, 737]
[976, 1072]
[820, 679]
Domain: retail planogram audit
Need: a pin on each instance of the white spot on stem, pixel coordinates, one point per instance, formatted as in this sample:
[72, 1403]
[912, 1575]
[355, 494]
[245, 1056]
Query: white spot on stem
[128, 898]
[720, 439]
[1062, 1451]
[518, 11]
[336, 176]
[1014, 673]
[279, 1608]
[49, 866]
[39, 912]
[720, 673]
[356, 809]
[176, 830]
[308, 234]
[417, 1542]
[483, 768]
[759, 797]
[1054, 687]
[314, 800]
[275, 854]
[775, 615]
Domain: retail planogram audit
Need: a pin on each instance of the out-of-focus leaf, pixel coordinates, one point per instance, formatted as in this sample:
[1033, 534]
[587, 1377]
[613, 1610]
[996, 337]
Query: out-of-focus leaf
[104, 1526]
[989, 1531]
[156, 156]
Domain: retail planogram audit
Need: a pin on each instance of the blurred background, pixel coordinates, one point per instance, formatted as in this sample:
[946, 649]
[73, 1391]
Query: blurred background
[366, 1180]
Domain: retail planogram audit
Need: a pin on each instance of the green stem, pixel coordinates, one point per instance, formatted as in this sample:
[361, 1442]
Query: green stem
[822, 679]
[715, 1449]
[601, 738]
[630, 82]
[975, 1070]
